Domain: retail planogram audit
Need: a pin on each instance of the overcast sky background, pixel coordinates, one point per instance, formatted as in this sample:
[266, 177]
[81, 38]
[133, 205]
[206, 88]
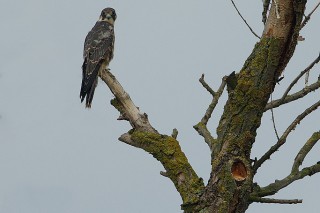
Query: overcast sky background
[58, 157]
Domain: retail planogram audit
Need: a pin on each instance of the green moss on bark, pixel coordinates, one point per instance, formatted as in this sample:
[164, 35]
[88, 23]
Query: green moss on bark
[167, 150]
[239, 122]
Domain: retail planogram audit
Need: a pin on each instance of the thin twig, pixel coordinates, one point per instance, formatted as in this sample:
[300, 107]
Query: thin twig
[273, 121]
[201, 127]
[266, 4]
[304, 151]
[284, 136]
[214, 102]
[294, 96]
[206, 86]
[298, 77]
[307, 18]
[271, 200]
[234, 5]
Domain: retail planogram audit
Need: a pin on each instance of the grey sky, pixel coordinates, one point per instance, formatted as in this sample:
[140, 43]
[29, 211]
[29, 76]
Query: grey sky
[58, 157]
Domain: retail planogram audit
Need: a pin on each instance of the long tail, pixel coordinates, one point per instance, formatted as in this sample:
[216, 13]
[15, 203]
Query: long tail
[90, 93]
[89, 83]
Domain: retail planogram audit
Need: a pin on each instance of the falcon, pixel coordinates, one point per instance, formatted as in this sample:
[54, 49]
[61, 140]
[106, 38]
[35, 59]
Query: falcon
[97, 53]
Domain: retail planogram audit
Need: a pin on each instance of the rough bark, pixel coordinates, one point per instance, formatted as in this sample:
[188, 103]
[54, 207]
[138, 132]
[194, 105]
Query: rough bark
[165, 149]
[244, 108]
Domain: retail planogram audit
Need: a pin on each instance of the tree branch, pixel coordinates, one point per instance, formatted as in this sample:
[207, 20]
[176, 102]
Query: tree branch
[298, 77]
[283, 138]
[244, 108]
[125, 105]
[295, 174]
[273, 188]
[271, 200]
[206, 86]
[205, 133]
[164, 148]
[294, 96]
[214, 102]
[307, 18]
[168, 151]
[304, 151]
[273, 121]
[234, 5]
[201, 127]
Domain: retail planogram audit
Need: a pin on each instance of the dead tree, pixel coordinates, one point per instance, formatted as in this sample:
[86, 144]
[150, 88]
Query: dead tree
[231, 187]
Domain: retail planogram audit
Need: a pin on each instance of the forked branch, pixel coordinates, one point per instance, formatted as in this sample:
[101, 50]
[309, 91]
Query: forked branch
[201, 127]
[206, 134]
[295, 96]
[288, 98]
[215, 99]
[307, 18]
[295, 173]
[299, 76]
[283, 138]
[273, 188]
[165, 149]
[304, 151]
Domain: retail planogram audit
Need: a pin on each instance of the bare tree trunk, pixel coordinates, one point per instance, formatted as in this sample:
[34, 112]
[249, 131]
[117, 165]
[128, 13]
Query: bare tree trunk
[231, 177]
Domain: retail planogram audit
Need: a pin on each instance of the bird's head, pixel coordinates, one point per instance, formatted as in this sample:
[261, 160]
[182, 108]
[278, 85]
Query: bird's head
[109, 15]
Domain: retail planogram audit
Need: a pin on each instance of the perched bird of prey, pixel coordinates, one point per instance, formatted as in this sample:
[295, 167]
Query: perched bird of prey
[97, 53]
